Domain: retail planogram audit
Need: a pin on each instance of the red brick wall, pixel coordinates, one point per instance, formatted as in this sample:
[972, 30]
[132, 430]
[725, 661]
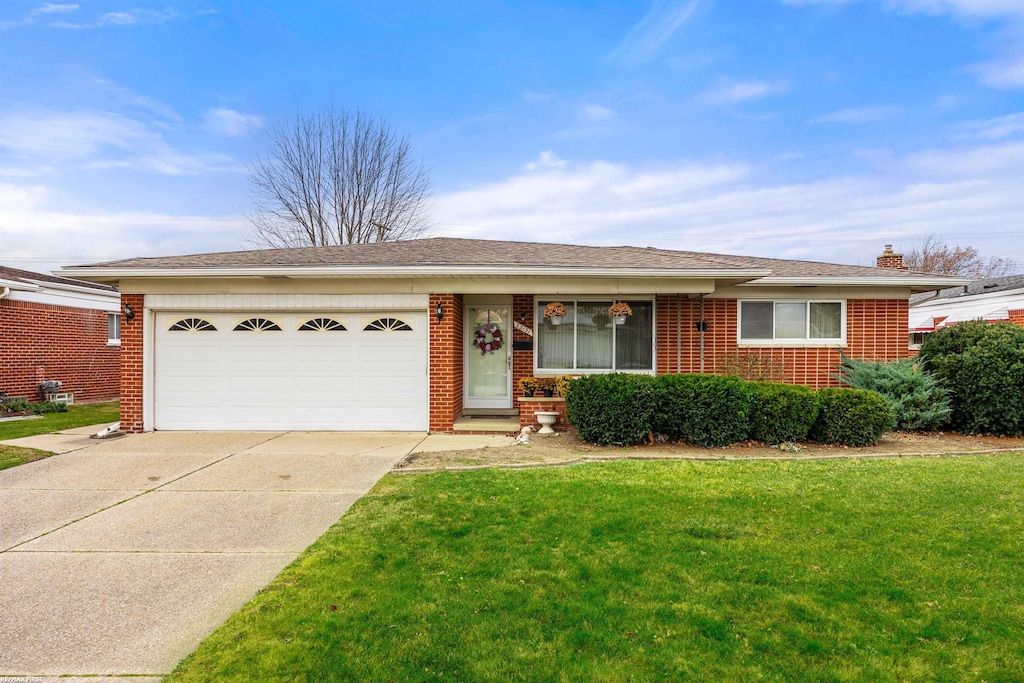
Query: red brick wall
[1017, 317]
[42, 341]
[522, 361]
[131, 365]
[876, 329]
[446, 357]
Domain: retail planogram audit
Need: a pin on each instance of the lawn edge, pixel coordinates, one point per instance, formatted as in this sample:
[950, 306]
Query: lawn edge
[584, 459]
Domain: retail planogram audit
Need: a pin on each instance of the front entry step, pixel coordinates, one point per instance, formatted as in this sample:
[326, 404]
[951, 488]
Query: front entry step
[487, 423]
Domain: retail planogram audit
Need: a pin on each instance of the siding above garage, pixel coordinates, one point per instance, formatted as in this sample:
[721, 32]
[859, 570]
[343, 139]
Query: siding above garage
[286, 301]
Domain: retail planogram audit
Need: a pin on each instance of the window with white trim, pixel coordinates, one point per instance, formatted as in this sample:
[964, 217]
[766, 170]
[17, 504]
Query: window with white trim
[588, 339]
[794, 321]
[114, 329]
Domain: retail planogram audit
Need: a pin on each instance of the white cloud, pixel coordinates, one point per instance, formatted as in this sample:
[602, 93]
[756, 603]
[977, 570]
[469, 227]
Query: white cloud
[729, 91]
[544, 161]
[38, 237]
[231, 123]
[860, 115]
[129, 18]
[98, 139]
[1002, 74]
[994, 129]
[970, 195]
[966, 8]
[54, 8]
[648, 35]
[595, 112]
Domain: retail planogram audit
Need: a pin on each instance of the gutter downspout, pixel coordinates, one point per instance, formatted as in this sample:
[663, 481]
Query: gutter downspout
[6, 293]
[702, 326]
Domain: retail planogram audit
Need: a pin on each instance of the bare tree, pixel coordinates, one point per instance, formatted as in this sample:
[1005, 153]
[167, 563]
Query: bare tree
[337, 178]
[935, 256]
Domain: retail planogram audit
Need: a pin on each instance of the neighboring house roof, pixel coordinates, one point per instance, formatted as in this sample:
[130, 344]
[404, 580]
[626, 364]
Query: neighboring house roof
[470, 257]
[991, 299]
[13, 277]
[988, 286]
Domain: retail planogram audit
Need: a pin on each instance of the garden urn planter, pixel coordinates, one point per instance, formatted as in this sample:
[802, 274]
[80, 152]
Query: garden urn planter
[547, 419]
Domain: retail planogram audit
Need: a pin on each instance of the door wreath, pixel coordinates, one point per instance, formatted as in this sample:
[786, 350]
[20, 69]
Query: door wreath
[488, 338]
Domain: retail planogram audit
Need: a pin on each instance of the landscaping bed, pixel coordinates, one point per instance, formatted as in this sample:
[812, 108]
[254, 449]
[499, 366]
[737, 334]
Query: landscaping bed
[843, 570]
[567, 447]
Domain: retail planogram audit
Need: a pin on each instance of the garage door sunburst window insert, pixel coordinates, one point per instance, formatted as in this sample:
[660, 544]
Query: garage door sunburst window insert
[321, 325]
[257, 325]
[192, 325]
[388, 325]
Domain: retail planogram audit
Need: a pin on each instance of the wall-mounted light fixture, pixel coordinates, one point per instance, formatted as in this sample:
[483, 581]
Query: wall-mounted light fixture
[439, 312]
[129, 314]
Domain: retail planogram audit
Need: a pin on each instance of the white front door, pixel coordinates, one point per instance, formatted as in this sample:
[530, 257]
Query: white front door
[488, 376]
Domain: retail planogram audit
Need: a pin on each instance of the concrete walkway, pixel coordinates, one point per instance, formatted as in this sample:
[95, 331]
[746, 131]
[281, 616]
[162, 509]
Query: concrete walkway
[118, 557]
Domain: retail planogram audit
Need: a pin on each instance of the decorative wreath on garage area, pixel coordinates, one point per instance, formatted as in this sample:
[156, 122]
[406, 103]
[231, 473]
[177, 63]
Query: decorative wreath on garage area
[488, 338]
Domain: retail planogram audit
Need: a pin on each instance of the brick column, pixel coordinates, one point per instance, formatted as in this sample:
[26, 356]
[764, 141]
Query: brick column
[446, 356]
[131, 365]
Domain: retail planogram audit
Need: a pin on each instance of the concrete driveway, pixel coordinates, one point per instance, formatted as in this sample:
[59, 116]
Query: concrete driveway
[121, 556]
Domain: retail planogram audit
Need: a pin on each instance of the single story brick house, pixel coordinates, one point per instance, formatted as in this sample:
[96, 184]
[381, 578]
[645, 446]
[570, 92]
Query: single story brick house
[57, 329]
[393, 335]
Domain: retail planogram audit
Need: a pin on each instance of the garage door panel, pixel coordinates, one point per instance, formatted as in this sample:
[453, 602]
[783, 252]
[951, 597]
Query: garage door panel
[291, 379]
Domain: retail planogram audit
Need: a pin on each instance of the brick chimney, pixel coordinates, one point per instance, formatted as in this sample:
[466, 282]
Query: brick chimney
[889, 259]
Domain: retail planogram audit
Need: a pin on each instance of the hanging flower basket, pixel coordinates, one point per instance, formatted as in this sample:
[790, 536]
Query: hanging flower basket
[554, 312]
[487, 338]
[619, 311]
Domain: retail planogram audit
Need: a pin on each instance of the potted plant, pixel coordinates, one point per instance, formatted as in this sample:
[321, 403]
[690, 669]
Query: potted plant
[554, 312]
[546, 385]
[528, 385]
[562, 385]
[619, 311]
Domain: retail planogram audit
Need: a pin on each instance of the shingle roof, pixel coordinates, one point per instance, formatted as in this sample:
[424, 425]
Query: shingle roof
[28, 277]
[449, 251]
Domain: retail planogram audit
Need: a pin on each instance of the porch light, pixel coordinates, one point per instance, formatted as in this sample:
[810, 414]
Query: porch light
[439, 312]
[129, 314]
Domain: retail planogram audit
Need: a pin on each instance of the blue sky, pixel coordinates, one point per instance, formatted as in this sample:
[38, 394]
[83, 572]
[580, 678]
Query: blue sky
[817, 129]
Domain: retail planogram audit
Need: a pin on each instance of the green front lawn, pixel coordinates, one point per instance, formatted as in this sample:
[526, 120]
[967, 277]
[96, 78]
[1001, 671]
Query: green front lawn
[820, 571]
[77, 416]
[12, 456]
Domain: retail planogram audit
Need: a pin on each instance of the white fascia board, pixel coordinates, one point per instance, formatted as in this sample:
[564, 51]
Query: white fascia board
[827, 280]
[82, 289]
[92, 273]
[19, 285]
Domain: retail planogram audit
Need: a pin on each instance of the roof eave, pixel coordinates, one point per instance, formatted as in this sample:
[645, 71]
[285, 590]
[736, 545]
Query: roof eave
[923, 283]
[105, 274]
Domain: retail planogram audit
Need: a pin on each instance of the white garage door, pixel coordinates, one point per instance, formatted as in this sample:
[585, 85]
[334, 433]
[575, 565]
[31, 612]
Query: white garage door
[304, 371]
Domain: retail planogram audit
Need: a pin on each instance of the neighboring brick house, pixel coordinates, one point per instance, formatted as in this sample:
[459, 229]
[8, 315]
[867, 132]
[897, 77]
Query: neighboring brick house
[392, 336]
[55, 328]
[994, 299]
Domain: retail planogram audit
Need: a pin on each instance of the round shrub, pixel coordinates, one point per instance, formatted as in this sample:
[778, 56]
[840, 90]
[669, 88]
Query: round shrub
[706, 410]
[781, 412]
[982, 366]
[614, 409]
[852, 417]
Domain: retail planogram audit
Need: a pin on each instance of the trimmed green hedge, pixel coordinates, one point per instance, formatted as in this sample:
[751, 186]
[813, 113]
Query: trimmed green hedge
[706, 410]
[852, 417]
[615, 409]
[982, 366]
[781, 412]
[714, 410]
